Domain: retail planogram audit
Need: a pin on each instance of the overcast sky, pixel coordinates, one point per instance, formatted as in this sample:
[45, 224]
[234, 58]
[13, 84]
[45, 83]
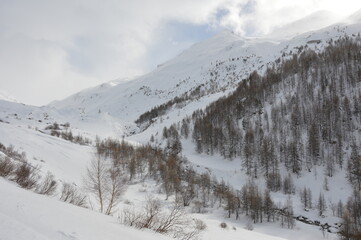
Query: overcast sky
[51, 49]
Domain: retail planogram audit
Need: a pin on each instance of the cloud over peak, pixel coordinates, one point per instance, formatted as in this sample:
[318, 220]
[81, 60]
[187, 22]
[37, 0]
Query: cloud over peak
[50, 49]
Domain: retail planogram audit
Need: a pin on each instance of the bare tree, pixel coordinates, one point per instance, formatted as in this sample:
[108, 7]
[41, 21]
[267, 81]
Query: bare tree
[287, 219]
[116, 184]
[104, 180]
[306, 198]
[95, 179]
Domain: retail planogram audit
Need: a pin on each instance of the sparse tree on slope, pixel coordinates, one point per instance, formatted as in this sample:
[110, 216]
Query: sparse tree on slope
[105, 181]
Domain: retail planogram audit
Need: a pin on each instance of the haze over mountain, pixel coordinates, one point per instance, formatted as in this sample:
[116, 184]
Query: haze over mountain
[311, 22]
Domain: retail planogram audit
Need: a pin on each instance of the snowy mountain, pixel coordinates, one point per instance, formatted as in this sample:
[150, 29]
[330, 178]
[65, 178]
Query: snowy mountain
[311, 22]
[356, 17]
[6, 97]
[206, 71]
[164, 104]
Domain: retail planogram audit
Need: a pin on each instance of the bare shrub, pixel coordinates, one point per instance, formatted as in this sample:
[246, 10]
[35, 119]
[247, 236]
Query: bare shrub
[249, 225]
[197, 207]
[47, 186]
[70, 194]
[191, 230]
[7, 167]
[12, 153]
[54, 126]
[187, 194]
[172, 221]
[26, 176]
[199, 224]
[132, 217]
[152, 210]
[2, 147]
[55, 133]
[223, 225]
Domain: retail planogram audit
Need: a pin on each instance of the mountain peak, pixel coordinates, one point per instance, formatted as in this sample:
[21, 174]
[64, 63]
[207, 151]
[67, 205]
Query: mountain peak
[311, 22]
[225, 35]
[7, 97]
[356, 16]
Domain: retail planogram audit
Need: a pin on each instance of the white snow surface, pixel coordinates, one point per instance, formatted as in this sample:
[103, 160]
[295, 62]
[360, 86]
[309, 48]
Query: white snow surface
[109, 110]
[25, 215]
[66, 160]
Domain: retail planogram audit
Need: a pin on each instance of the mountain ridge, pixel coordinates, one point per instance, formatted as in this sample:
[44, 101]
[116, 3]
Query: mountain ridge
[217, 105]
[202, 65]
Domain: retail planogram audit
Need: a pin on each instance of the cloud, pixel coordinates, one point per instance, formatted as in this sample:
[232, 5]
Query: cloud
[50, 49]
[258, 17]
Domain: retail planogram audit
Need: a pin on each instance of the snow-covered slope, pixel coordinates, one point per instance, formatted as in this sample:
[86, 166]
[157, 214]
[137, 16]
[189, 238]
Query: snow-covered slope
[311, 22]
[5, 96]
[214, 66]
[209, 70]
[26, 215]
[21, 114]
[66, 160]
[356, 17]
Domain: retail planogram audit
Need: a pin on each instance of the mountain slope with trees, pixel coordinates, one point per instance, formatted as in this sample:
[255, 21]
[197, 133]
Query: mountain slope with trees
[256, 133]
[303, 113]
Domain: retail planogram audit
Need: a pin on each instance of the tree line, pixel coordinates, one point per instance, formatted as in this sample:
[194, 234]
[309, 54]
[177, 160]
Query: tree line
[304, 112]
[175, 176]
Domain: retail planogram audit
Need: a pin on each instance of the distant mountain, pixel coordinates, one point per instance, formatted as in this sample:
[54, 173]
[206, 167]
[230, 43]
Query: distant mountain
[5, 96]
[356, 16]
[314, 21]
[203, 72]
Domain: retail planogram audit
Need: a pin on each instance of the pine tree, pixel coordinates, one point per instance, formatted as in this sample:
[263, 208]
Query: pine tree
[321, 204]
[268, 205]
[354, 168]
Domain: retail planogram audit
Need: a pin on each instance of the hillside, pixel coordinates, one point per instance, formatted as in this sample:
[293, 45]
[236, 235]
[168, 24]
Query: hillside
[203, 72]
[254, 137]
[25, 215]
